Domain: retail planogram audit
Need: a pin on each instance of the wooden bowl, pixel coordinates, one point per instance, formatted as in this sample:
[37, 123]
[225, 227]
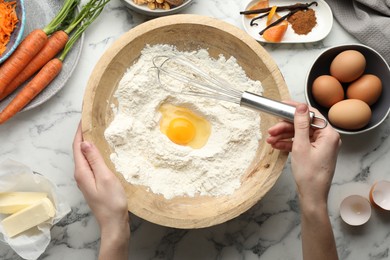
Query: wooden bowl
[187, 32]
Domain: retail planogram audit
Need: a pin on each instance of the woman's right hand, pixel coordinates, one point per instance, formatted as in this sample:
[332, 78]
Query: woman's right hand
[313, 161]
[313, 154]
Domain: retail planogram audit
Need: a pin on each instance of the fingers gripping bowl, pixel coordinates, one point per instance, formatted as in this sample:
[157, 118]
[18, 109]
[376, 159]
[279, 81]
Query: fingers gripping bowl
[187, 32]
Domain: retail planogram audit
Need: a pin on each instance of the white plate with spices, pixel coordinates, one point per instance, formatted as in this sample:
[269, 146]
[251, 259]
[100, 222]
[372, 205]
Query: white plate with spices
[324, 19]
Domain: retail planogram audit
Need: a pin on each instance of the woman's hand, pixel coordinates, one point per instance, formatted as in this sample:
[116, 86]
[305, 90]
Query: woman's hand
[313, 157]
[105, 196]
[313, 162]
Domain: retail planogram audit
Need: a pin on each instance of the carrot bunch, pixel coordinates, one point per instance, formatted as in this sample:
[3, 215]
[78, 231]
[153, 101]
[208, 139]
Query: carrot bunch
[8, 21]
[44, 61]
[31, 45]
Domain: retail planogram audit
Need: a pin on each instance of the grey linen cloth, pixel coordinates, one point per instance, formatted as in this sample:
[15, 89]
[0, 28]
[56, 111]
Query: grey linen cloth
[367, 20]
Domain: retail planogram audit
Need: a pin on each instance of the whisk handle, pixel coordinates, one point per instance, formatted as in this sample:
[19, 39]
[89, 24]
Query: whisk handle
[276, 108]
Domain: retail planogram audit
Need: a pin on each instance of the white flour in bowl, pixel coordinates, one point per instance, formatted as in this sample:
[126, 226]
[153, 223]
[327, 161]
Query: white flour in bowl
[145, 156]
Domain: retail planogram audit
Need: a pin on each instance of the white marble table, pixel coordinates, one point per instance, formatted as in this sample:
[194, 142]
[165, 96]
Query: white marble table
[42, 138]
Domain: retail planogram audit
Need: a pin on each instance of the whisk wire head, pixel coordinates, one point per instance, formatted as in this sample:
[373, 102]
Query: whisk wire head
[196, 81]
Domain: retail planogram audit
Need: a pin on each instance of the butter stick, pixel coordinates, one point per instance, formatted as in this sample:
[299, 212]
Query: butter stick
[29, 217]
[11, 202]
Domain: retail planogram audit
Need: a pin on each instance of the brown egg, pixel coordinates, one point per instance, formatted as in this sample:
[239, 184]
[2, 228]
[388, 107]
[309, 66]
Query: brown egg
[350, 114]
[327, 91]
[367, 88]
[348, 66]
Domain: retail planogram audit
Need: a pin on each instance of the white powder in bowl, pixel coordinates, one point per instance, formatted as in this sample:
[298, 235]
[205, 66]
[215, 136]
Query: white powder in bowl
[145, 156]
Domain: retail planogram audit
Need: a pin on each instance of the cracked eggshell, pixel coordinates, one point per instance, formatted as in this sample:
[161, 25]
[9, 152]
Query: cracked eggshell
[355, 210]
[380, 195]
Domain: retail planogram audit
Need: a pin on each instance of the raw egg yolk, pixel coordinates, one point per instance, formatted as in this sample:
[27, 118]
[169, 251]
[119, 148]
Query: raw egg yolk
[181, 131]
[184, 127]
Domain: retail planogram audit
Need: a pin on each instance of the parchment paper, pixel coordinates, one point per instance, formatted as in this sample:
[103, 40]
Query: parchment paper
[15, 176]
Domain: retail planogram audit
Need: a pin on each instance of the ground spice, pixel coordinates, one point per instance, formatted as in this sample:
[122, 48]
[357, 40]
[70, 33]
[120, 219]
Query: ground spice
[303, 21]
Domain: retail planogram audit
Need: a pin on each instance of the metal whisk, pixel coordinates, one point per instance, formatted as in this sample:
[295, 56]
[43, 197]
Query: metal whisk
[194, 81]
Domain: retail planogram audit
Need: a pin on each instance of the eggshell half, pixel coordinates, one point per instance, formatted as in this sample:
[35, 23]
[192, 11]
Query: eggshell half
[380, 195]
[355, 210]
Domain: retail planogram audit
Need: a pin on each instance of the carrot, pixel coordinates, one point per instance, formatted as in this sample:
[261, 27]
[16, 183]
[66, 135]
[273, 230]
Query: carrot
[34, 87]
[31, 45]
[22, 55]
[8, 21]
[53, 46]
[50, 70]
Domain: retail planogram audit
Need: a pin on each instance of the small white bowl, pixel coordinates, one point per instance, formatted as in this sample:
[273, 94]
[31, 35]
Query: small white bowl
[143, 9]
[355, 210]
[380, 195]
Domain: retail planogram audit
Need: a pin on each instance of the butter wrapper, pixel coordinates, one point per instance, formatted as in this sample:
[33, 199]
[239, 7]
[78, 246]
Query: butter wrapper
[15, 176]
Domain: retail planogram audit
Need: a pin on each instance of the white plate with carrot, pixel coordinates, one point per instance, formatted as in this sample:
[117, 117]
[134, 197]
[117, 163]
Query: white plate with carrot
[38, 15]
[321, 28]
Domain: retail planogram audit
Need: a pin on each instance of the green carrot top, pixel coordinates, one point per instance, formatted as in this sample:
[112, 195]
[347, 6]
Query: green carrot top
[87, 15]
[67, 8]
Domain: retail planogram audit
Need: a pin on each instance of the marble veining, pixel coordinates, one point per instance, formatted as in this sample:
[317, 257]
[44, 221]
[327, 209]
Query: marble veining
[42, 138]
